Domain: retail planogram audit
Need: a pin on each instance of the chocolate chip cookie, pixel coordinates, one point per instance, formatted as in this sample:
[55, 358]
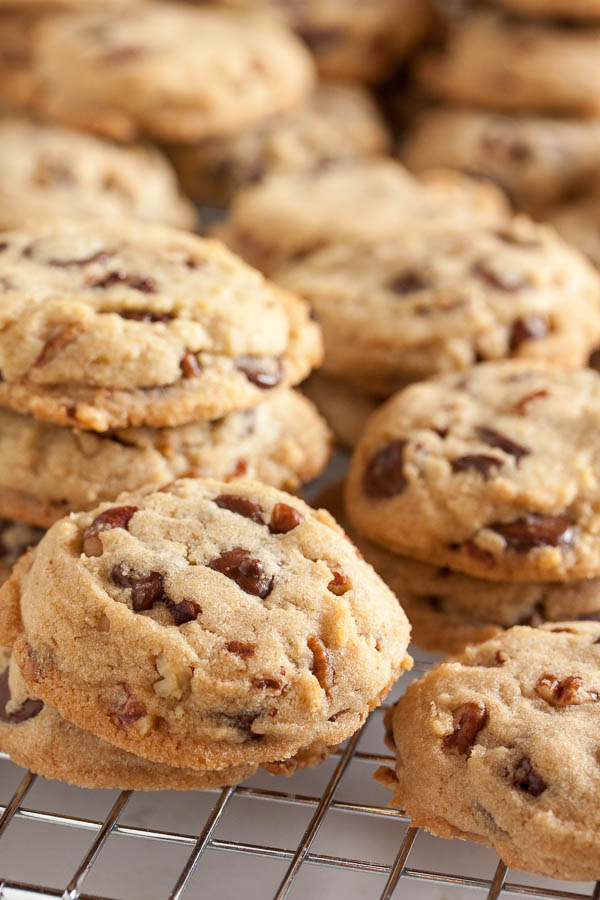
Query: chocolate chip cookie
[498, 62]
[47, 471]
[294, 213]
[206, 625]
[537, 160]
[338, 122]
[448, 610]
[108, 324]
[167, 71]
[492, 472]
[440, 298]
[352, 41]
[499, 745]
[47, 171]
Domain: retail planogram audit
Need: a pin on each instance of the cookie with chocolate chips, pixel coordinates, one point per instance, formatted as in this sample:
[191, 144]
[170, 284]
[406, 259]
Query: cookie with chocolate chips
[108, 324]
[206, 624]
[292, 214]
[492, 472]
[439, 298]
[167, 71]
[448, 610]
[538, 160]
[499, 62]
[47, 171]
[46, 470]
[37, 737]
[499, 745]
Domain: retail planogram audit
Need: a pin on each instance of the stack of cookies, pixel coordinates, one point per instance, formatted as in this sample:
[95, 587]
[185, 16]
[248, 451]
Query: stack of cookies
[411, 277]
[134, 354]
[519, 83]
[478, 496]
[189, 635]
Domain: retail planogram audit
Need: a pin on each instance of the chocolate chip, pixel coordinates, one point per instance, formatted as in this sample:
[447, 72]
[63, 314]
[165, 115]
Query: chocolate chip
[321, 665]
[184, 612]
[58, 342]
[384, 474]
[531, 328]
[240, 648]
[263, 378]
[594, 359]
[507, 282]
[27, 710]
[568, 692]
[269, 684]
[485, 465]
[407, 283]
[129, 710]
[476, 552]
[144, 315]
[339, 584]
[189, 365]
[242, 506]
[248, 573]
[245, 721]
[505, 148]
[533, 531]
[521, 405]
[469, 719]
[145, 589]
[528, 780]
[115, 517]
[137, 282]
[99, 256]
[284, 518]
[496, 439]
[3, 245]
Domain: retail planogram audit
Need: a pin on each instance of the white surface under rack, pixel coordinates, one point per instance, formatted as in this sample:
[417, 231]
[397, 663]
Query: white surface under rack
[324, 834]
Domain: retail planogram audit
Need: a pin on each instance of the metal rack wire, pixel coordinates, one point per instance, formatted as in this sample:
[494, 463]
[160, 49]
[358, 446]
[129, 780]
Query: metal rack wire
[396, 878]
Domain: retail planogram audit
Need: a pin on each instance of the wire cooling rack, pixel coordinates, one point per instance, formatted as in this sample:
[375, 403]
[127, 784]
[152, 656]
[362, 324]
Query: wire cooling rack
[325, 833]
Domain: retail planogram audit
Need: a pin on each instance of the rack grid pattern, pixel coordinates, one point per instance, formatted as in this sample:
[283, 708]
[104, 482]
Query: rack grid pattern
[397, 878]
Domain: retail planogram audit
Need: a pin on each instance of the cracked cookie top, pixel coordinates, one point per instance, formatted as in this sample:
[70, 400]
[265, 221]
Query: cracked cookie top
[207, 624]
[106, 324]
[493, 472]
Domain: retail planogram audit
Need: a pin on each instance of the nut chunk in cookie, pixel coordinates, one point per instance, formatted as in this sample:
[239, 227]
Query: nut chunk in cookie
[207, 624]
[108, 324]
[500, 745]
[493, 472]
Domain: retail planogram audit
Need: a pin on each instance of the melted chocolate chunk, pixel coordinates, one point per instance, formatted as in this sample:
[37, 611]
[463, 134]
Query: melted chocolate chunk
[407, 283]
[137, 282]
[384, 474]
[284, 518]
[496, 439]
[129, 710]
[533, 531]
[146, 590]
[115, 517]
[248, 573]
[472, 717]
[144, 315]
[27, 710]
[190, 366]
[184, 612]
[262, 378]
[242, 506]
[240, 648]
[526, 779]
[485, 465]
[531, 328]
